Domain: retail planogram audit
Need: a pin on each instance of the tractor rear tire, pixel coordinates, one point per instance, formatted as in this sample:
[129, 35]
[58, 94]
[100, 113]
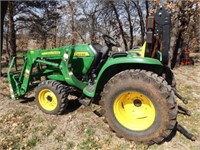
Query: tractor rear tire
[139, 106]
[51, 97]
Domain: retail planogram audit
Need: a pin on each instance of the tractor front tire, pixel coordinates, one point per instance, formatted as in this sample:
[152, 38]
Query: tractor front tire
[139, 106]
[51, 97]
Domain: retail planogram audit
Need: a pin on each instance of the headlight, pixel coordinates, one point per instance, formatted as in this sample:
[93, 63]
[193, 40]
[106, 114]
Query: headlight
[65, 57]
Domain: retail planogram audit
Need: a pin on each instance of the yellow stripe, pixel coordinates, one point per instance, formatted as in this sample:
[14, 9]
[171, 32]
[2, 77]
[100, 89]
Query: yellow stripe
[143, 49]
[51, 53]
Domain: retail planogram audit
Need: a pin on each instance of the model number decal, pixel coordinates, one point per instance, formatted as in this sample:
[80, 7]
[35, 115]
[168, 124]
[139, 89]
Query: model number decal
[84, 54]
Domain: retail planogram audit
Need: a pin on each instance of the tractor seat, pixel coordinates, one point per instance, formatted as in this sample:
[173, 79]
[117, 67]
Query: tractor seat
[100, 58]
[97, 47]
[97, 51]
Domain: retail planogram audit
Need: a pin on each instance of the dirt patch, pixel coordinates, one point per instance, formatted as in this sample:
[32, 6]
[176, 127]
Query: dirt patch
[24, 126]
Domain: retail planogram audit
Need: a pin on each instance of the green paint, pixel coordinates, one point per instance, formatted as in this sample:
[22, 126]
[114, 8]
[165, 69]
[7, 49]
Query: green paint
[66, 64]
[130, 60]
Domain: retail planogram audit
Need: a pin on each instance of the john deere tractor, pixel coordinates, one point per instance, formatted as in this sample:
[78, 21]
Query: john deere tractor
[136, 91]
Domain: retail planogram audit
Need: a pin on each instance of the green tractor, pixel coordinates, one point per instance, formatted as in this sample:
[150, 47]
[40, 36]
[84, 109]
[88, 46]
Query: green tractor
[135, 91]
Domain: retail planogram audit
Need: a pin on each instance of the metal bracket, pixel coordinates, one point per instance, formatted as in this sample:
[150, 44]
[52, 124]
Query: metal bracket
[83, 102]
[184, 111]
[188, 135]
[180, 97]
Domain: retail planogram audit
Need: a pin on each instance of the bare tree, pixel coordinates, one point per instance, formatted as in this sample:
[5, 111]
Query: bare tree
[181, 18]
[90, 18]
[142, 27]
[127, 8]
[71, 5]
[147, 8]
[40, 19]
[82, 21]
[113, 6]
[4, 5]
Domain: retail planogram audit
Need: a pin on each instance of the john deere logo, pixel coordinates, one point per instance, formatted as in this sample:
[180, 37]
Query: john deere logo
[81, 54]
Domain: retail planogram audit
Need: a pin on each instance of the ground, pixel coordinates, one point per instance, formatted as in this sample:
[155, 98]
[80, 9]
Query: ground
[24, 126]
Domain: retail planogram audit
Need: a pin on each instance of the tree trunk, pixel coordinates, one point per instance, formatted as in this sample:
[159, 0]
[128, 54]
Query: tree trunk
[12, 32]
[44, 42]
[92, 36]
[177, 31]
[142, 27]
[7, 45]
[130, 24]
[3, 13]
[72, 22]
[120, 25]
[147, 8]
[55, 38]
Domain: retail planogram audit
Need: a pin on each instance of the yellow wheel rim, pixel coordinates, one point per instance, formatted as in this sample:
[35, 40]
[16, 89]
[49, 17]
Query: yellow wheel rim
[47, 99]
[134, 111]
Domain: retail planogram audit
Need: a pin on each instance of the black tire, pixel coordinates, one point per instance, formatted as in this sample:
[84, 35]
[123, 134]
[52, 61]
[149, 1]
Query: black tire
[50, 92]
[154, 90]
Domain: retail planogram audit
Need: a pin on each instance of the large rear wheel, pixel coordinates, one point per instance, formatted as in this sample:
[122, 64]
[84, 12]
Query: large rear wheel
[51, 97]
[139, 106]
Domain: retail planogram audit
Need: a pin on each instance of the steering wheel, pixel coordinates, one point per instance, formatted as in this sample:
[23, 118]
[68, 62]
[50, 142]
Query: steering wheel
[110, 41]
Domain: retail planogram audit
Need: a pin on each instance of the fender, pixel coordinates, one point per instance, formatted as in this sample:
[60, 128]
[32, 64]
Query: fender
[133, 62]
[129, 60]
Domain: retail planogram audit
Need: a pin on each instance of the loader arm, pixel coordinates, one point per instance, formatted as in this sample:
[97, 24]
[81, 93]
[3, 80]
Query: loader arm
[57, 66]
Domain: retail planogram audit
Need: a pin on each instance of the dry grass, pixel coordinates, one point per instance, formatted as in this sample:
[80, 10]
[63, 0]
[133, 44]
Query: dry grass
[23, 126]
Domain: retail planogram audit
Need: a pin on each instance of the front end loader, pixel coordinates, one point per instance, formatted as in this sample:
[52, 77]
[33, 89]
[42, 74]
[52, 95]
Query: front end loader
[137, 92]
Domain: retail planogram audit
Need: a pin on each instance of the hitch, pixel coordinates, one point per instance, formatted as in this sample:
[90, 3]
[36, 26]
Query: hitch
[180, 97]
[180, 108]
[184, 111]
[188, 135]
